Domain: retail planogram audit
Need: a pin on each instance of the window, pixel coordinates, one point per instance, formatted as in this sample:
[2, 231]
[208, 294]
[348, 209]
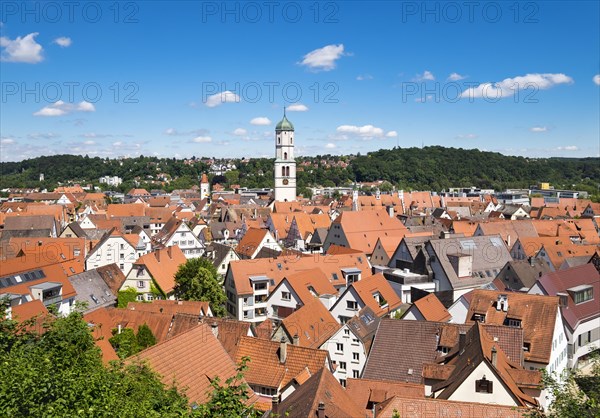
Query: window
[122, 266]
[343, 382]
[260, 286]
[583, 295]
[484, 386]
[352, 305]
[150, 297]
[514, 323]
[283, 171]
[141, 284]
[346, 331]
[355, 374]
[339, 347]
[285, 155]
[479, 317]
[356, 356]
[286, 295]
[342, 365]
[122, 246]
[139, 298]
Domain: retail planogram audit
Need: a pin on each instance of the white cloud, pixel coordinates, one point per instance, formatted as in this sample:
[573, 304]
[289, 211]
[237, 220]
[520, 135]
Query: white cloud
[240, 132]
[467, 136]
[175, 132]
[455, 77]
[40, 135]
[568, 148]
[223, 97]
[362, 77]
[260, 121]
[365, 132]
[7, 141]
[61, 108]
[539, 129]
[392, 134]
[298, 107]
[597, 79]
[426, 76]
[89, 142]
[202, 139]
[63, 41]
[323, 59]
[330, 146]
[509, 86]
[22, 49]
[117, 144]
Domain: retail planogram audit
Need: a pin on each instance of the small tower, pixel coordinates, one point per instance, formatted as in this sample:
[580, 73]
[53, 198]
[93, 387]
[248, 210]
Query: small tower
[204, 187]
[378, 194]
[355, 202]
[41, 177]
[285, 164]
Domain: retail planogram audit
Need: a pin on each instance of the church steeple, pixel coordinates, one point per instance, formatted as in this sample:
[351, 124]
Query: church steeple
[285, 164]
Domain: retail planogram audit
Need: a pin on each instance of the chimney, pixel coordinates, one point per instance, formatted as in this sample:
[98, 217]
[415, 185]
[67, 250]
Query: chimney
[502, 303]
[215, 329]
[494, 356]
[296, 339]
[508, 241]
[119, 329]
[390, 211]
[282, 350]
[321, 410]
[275, 406]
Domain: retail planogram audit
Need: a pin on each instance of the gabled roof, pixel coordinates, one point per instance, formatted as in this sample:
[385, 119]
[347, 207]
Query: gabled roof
[321, 388]
[363, 326]
[480, 347]
[190, 369]
[432, 309]
[162, 265]
[537, 315]
[367, 391]
[125, 209]
[308, 223]
[251, 242]
[369, 286]
[280, 267]
[112, 276]
[265, 368]
[313, 279]
[557, 254]
[561, 281]
[93, 290]
[312, 323]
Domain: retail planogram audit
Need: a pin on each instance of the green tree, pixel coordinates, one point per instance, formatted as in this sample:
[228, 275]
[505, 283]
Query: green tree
[195, 280]
[577, 395]
[229, 400]
[124, 342]
[145, 337]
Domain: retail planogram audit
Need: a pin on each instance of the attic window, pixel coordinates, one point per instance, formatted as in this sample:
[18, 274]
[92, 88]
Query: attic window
[479, 317]
[582, 294]
[484, 386]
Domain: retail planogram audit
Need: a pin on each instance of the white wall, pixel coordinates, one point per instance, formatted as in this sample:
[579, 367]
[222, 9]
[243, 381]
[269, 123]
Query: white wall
[351, 345]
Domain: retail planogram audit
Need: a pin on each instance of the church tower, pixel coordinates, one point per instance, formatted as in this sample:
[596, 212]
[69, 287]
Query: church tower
[285, 165]
[204, 187]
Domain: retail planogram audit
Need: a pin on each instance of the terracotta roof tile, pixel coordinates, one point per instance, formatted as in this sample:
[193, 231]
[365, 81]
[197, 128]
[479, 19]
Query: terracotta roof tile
[361, 391]
[312, 323]
[162, 265]
[432, 309]
[417, 408]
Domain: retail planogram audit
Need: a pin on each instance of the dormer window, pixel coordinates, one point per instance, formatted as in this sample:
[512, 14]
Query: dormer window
[479, 318]
[581, 294]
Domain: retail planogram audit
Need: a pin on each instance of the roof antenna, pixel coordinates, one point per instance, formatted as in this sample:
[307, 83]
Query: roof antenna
[284, 111]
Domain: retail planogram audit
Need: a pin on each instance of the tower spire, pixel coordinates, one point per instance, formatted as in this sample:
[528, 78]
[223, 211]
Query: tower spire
[284, 111]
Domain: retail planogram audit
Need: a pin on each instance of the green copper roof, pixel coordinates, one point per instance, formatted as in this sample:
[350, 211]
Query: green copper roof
[284, 124]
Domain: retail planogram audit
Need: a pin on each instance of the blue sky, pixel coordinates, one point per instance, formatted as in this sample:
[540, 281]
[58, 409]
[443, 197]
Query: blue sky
[211, 78]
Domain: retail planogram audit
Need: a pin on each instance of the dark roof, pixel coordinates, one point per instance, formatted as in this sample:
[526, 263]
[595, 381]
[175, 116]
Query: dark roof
[318, 238]
[219, 252]
[364, 325]
[528, 272]
[561, 281]
[77, 230]
[93, 290]
[112, 276]
[322, 387]
[37, 222]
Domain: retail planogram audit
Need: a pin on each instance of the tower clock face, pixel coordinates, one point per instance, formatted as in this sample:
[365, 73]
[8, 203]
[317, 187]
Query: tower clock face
[285, 182]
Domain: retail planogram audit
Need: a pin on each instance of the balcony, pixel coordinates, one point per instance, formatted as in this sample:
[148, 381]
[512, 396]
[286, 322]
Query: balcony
[51, 300]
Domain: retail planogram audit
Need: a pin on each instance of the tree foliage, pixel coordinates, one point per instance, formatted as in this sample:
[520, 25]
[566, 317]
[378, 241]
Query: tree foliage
[127, 343]
[197, 279]
[577, 395]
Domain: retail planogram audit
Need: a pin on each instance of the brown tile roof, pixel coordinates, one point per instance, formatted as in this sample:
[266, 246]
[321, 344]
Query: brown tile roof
[307, 223]
[537, 314]
[162, 265]
[312, 323]
[283, 266]
[127, 209]
[363, 229]
[417, 408]
[265, 368]
[191, 369]
[323, 388]
[100, 324]
[314, 279]
[559, 253]
[432, 309]
[171, 307]
[367, 287]
[29, 310]
[250, 242]
[363, 391]
[113, 276]
[480, 347]
[264, 330]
